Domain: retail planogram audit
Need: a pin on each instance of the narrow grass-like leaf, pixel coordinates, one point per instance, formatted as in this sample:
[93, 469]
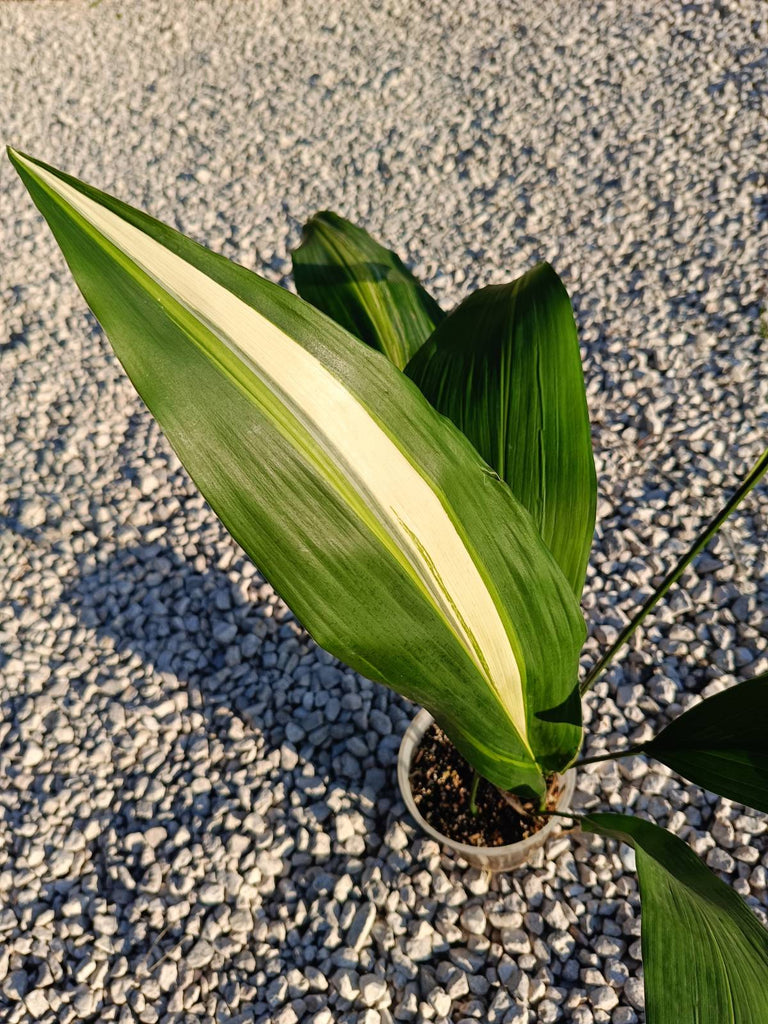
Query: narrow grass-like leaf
[505, 367]
[705, 955]
[366, 288]
[372, 516]
[720, 744]
[748, 483]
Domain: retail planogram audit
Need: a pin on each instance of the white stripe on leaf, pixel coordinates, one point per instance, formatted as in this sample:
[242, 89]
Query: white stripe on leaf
[393, 489]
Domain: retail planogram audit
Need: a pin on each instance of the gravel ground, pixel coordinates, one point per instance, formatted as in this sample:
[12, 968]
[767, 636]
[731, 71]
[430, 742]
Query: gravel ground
[200, 814]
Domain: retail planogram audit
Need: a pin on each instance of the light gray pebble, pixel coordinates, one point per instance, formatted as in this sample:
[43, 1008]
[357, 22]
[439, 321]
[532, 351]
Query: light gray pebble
[323, 1016]
[16, 985]
[634, 993]
[105, 924]
[473, 920]
[440, 1002]
[624, 1015]
[373, 989]
[603, 998]
[211, 894]
[224, 632]
[515, 941]
[344, 827]
[361, 925]
[33, 755]
[720, 860]
[37, 1003]
[167, 975]
[200, 955]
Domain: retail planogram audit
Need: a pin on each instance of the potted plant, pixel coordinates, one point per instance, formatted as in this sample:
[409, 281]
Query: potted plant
[427, 511]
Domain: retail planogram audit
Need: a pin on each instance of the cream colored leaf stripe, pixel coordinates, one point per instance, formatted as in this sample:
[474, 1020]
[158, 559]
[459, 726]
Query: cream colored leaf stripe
[410, 511]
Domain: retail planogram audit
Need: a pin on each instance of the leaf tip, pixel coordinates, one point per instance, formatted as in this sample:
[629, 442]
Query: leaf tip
[19, 160]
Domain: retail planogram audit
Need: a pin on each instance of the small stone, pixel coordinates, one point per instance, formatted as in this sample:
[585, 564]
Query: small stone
[508, 971]
[473, 920]
[200, 955]
[607, 946]
[373, 989]
[440, 1002]
[624, 1015]
[516, 1015]
[32, 514]
[154, 836]
[84, 969]
[616, 973]
[224, 633]
[167, 975]
[148, 484]
[277, 992]
[285, 1015]
[288, 757]
[344, 828]
[253, 824]
[477, 881]
[457, 984]
[603, 998]
[360, 928]
[347, 984]
[16, 985]
[548, 1012]
[419, 948]
[381, 723]
[33, 755]
[211, 894]
[515, 941]
[556, 917]
[118, 990]
[396, 839]
[37, 1003]
[74, 907]
[83, 1001]
[634, 993]
[294, 732]
[105, 924]
[720, 860]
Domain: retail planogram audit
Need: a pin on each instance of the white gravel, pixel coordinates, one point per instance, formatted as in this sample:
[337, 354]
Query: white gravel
[200, 815]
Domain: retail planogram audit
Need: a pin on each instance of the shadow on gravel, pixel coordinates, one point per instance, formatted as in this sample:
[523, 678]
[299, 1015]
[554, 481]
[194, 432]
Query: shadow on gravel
[215, 640]
[152, 786]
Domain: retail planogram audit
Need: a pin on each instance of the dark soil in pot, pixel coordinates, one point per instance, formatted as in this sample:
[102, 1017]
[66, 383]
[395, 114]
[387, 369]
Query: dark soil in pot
[441, 783]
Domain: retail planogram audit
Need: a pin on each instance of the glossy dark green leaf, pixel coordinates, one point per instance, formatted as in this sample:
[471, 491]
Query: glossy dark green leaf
[705, 955]
[505, 367]
[364, 287]
[373, 516]
[721, 744]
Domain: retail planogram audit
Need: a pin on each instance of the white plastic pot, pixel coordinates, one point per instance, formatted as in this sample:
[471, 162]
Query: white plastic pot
[492, 858]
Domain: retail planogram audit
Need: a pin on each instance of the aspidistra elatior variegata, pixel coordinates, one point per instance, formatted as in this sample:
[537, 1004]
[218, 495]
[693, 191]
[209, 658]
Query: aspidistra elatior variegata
[393, 542]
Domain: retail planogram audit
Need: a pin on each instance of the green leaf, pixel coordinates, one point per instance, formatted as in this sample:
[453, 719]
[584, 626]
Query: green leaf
[721, 745]
[749, 482]
[364, 287]
[505, 367]
[370, 514]
[705, 955]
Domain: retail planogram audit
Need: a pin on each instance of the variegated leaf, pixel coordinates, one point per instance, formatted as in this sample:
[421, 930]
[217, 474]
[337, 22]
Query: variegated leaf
[393, 542]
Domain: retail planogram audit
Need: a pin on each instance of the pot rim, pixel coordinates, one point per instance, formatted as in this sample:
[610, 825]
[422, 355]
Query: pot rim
[408, 745]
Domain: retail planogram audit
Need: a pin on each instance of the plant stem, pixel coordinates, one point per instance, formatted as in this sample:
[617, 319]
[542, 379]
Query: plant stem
[612, 755]
[558, 814]
[473, 792]
[672, 577]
